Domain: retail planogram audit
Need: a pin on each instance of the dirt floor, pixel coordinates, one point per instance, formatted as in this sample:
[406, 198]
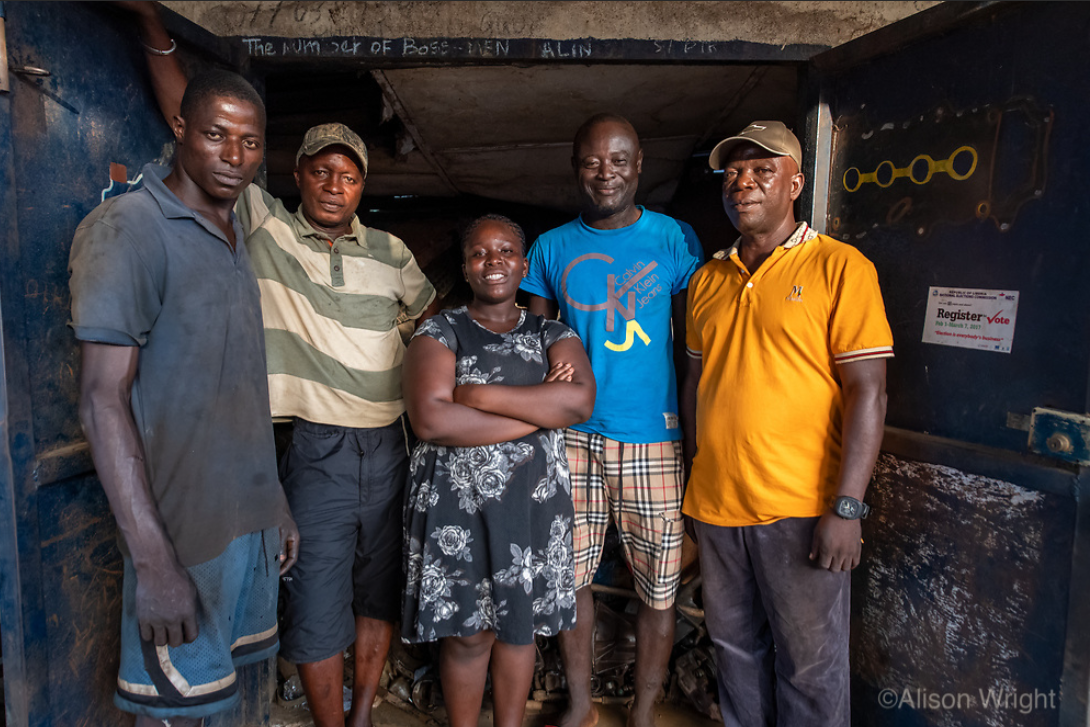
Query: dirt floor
[390, 714]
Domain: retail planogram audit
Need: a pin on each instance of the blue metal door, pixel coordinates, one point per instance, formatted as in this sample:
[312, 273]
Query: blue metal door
[76, 127]
[950, 149]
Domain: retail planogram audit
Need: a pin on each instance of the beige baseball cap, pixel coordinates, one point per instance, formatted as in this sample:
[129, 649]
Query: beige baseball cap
[323, 135]
[770, 135]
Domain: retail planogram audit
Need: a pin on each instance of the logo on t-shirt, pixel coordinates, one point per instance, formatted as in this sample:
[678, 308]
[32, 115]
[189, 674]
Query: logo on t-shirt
[633, 289]
[796, 294]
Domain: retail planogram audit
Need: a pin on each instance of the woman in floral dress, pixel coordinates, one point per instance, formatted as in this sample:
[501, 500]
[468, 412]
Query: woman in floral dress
[488, 522]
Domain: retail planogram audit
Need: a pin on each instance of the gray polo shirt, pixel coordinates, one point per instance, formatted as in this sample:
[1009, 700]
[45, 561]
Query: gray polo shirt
[148, 271]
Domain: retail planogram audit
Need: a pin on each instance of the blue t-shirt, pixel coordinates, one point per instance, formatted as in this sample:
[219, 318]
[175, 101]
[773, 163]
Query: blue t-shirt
[614, 289]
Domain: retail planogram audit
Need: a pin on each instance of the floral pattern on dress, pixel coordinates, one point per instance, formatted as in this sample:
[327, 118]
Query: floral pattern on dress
[526, 345]
[556, 464]
[420, 456]
[484, 617]
[434, 581]
[554, 565]
[454, 541]
[558, 569]
[522, 571]
[430, 328]
[465, 372]
[480, 474]
[488, 540]
[423, 497]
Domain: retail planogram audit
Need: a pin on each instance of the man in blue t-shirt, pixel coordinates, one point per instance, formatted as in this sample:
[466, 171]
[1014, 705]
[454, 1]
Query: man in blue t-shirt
[617, 275]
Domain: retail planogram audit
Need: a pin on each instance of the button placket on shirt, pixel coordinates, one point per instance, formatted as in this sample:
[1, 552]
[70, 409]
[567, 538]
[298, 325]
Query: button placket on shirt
[745, 297]
[336, 264]
[749, 290]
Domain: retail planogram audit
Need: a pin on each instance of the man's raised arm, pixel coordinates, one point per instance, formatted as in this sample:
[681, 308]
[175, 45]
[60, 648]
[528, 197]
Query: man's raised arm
[168, 79]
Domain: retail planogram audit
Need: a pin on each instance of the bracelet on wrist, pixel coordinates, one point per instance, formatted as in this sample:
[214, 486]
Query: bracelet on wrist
[156, 51]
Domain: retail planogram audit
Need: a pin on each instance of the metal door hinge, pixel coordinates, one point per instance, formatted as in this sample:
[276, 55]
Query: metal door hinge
[1060, 434]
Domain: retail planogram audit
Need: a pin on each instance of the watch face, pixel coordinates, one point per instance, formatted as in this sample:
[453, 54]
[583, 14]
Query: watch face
[846, 508]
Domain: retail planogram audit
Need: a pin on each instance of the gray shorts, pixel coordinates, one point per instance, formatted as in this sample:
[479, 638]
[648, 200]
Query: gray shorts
[346, 490]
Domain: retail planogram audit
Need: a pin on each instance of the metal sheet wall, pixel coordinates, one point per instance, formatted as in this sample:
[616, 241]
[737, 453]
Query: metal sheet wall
[1032, 52]
[67, 140]
[976, 554]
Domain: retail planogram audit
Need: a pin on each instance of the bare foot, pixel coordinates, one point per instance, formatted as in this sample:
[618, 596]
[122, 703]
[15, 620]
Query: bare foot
[581, 716]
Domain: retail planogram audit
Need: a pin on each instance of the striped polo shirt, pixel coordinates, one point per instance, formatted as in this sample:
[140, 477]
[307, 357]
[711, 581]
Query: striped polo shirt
[330, 312]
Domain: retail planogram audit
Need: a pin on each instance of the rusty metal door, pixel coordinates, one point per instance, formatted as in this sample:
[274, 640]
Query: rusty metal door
[950, 149]
[77, 123]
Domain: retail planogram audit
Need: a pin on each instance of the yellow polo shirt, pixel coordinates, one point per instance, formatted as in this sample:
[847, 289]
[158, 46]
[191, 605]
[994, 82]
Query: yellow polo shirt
[769, 404]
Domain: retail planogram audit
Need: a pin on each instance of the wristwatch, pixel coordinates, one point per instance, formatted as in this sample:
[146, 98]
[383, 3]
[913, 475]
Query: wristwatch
[850, 509]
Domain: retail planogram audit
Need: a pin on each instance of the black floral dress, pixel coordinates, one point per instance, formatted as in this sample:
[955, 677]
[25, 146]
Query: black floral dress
[488, 540]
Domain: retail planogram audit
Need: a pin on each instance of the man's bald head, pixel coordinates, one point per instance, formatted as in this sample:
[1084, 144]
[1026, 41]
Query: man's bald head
[590, 124]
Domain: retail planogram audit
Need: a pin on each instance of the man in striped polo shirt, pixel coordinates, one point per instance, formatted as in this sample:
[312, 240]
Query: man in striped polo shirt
[786, 398]
[332, 292]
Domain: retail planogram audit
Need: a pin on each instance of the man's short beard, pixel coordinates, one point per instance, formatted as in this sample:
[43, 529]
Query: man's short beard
[595, 210]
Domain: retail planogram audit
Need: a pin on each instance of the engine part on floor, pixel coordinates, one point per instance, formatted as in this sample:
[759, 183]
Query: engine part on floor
[426, 692]
[401, 689]
[291, 689]
[614, 655]
[549, 683]
[695, 674]
[686, 601]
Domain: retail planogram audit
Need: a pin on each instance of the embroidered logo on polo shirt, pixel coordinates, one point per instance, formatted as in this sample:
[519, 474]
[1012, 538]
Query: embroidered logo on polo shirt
[796, 294]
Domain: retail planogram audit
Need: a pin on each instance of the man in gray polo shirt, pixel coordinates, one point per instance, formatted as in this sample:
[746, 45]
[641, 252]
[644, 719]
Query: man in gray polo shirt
[174, 404]
[332, 292]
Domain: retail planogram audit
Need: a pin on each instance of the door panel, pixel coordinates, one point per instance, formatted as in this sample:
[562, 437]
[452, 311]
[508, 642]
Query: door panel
[68, 140]
[989, 87]
[951, 155]
[66, 130]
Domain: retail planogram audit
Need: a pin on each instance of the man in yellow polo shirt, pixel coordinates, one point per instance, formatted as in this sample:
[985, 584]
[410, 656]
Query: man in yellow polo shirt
[783, 407]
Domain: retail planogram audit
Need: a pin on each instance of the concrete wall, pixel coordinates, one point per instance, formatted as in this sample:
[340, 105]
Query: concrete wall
[779, 23]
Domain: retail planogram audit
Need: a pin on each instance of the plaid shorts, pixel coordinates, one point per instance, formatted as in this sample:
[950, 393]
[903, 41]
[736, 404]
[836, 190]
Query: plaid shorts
[641, 486]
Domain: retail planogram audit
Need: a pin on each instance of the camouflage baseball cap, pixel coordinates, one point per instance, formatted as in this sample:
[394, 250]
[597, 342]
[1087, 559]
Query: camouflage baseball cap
[323, 135]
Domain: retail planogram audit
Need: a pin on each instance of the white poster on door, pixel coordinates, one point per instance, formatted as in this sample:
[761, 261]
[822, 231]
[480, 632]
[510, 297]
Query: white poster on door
[971, 318]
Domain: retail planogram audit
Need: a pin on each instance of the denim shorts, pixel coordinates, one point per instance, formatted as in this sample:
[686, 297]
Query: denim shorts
[236, 622]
